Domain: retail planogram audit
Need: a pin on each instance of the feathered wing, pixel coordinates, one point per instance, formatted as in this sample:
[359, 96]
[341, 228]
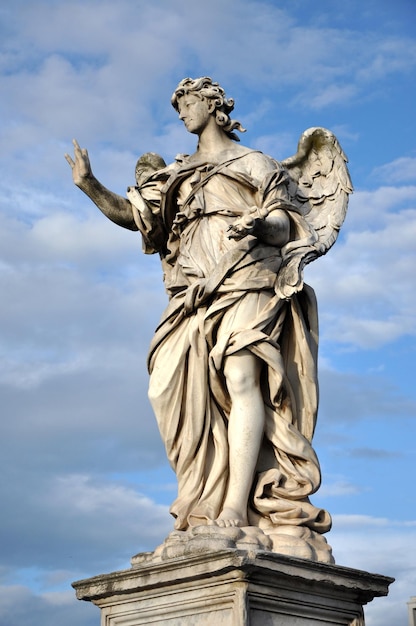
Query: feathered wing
[319, 186]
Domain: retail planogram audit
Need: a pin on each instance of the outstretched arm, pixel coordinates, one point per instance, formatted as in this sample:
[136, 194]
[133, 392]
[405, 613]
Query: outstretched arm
[115, 207]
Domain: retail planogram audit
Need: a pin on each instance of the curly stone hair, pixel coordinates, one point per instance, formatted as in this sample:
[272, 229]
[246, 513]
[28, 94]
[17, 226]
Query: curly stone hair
[204, 87]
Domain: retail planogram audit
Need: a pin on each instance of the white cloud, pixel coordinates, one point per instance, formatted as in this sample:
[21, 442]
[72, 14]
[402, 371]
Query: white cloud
[371, 209]
[400, 170]
[390, 56]
[356, 522]
[80, 522]
[333, 94]
[20, 606]
[90, 78]
[364, 284]
[347, 396]
[280, 145]
[384, 547]
[338, 488]
[84, 501]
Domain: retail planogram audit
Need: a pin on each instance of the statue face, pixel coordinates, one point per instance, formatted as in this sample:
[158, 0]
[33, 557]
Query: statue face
[194, 112]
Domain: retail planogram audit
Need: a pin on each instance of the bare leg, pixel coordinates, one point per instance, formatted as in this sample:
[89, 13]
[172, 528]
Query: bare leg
[245, 433]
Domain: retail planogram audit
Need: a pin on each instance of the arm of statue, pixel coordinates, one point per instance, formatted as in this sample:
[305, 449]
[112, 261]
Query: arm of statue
[115, 207]
[272, 228]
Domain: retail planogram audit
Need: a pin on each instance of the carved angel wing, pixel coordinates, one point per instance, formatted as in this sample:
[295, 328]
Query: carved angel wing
[320, 186]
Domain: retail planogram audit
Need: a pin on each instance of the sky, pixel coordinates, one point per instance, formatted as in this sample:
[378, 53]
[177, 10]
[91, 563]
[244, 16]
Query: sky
[84, 480]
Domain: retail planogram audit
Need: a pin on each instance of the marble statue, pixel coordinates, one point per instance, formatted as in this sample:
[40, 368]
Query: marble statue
[233, 363]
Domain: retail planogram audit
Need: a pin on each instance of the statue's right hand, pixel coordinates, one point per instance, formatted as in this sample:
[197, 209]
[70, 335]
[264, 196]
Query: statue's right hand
[80, 165]
[242, 227]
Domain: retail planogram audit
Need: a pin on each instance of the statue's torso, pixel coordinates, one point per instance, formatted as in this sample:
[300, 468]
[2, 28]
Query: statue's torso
[199, 235]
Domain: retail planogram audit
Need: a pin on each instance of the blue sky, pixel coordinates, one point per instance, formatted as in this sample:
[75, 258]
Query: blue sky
[85, 483]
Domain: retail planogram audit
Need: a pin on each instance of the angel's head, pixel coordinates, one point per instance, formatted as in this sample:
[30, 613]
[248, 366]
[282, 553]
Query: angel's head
[214, 95]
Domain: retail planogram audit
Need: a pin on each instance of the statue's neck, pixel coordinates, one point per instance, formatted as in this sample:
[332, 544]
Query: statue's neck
[212, 141]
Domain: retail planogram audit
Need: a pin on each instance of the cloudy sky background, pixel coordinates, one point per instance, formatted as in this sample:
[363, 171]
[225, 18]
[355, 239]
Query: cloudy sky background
[85, 484]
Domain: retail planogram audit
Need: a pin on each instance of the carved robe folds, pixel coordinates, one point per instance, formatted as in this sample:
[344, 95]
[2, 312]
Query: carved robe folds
[222, 300]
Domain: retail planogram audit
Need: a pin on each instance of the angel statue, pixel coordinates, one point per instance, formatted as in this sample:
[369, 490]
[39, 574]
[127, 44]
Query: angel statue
[233, 362]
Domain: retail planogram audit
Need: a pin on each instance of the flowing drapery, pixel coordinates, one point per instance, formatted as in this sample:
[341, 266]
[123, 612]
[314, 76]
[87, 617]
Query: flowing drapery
[223, 300]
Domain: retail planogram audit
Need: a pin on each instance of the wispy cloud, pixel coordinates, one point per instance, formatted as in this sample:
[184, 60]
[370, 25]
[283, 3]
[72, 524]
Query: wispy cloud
[402, 170]
[86, 470]
[339, 488]
[373, 453]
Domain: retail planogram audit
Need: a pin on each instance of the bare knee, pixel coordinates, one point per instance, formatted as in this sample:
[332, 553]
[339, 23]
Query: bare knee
[242, 373]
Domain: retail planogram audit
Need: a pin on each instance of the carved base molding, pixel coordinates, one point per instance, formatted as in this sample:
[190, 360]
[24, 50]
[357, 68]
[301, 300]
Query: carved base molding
[232, 587]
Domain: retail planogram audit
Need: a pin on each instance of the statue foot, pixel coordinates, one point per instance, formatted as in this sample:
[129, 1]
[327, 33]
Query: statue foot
[230, 518]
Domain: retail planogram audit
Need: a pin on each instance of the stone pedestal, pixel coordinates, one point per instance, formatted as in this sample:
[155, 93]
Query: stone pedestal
[411, 605]
[232, 587]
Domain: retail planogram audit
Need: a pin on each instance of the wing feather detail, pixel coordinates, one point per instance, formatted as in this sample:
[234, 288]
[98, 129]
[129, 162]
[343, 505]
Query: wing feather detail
[320, 186]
